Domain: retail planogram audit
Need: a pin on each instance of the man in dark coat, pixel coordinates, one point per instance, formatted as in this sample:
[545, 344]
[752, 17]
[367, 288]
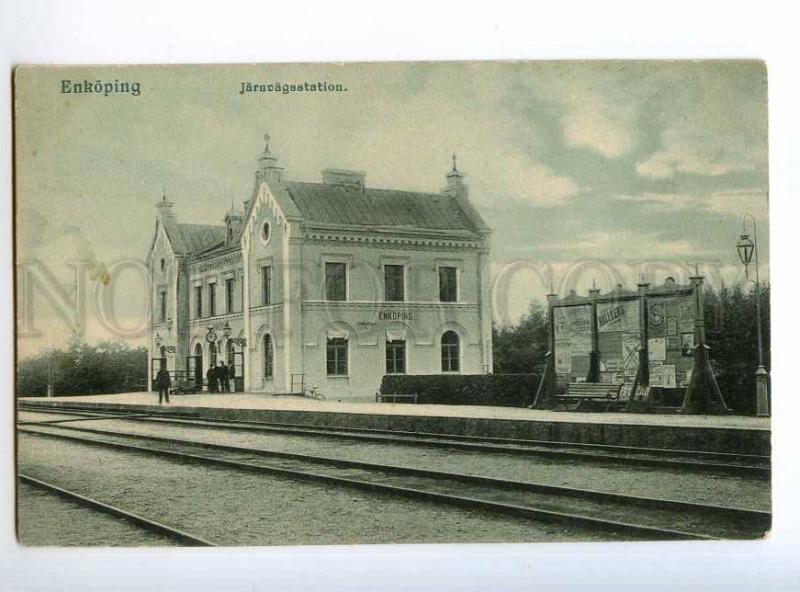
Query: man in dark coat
[163, 382]
[223, 377]
[211, 376]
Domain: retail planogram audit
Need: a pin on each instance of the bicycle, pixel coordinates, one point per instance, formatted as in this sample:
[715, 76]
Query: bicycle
[312, 392]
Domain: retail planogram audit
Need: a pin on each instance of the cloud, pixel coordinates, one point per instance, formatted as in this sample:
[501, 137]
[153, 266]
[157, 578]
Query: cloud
[619, 244]
[712, 121]
[595, 125]
[732, 202]
[683, 157]
[739, 202]
[516, 178]
[661, 200]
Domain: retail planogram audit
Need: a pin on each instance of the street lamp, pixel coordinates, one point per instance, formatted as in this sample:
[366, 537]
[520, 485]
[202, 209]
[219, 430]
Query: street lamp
[227, 330]
[747, 249]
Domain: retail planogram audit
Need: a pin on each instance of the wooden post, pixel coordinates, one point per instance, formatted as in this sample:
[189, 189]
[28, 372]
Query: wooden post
[594, 354]
[702, 395]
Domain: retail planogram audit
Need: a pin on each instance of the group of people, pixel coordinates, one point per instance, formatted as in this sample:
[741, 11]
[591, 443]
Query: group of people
[221, 378]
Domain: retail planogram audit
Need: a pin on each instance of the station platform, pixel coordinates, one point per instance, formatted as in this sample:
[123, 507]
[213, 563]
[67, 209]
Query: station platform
[735, 434]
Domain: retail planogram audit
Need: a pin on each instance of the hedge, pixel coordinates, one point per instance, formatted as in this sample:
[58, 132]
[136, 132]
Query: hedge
[498, 390]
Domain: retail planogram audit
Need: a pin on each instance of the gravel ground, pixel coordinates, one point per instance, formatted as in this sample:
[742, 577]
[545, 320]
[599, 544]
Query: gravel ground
[743, 492]
[234, 508]
[46, 518]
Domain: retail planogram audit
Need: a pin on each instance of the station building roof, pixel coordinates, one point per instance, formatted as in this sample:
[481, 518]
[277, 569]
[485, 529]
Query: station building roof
[364, 206]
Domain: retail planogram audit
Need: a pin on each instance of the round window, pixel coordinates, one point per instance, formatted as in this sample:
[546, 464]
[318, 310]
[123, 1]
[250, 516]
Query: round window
[265, 232]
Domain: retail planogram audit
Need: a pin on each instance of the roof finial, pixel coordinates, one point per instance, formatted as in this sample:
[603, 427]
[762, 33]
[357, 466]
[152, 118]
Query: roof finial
[594, 284]
[455, 170]
[266, 143]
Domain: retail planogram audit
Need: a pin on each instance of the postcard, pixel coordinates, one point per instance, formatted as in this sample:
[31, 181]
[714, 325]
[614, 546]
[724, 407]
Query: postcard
[454, 302]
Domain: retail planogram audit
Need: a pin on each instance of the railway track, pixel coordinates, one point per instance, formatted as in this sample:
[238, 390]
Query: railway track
[180, 536]
[701, 461]
[631, 516]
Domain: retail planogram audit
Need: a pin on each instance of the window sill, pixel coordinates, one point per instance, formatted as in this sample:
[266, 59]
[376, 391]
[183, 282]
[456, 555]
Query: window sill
[338, 376]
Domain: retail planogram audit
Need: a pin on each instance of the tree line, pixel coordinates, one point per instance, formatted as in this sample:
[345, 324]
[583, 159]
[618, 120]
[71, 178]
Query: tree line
[83, 369]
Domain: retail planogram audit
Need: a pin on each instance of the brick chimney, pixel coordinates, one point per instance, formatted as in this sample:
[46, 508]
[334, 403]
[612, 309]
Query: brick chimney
[344, 177]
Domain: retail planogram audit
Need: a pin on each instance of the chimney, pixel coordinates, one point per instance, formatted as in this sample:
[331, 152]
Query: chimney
[455, 182]
[164, 211]
[268, 169]
[343, 177]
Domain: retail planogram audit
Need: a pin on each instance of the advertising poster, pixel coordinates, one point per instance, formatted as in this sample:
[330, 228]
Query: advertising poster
[618, 316]
[657, 349]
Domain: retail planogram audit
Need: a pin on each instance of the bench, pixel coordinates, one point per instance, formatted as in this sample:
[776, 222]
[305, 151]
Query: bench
[587, 395]
[396, 398]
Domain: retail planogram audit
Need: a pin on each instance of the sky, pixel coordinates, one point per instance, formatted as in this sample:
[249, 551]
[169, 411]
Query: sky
[587, 172]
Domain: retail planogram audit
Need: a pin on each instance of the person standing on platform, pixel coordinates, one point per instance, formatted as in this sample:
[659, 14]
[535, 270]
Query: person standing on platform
[211, 376]
[163, 383]
[223, 377]
[232, 377]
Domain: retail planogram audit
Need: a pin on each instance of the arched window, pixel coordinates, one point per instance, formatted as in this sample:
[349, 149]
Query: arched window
[163, 360]
[450, 352]
[230, 351]
[267, 356]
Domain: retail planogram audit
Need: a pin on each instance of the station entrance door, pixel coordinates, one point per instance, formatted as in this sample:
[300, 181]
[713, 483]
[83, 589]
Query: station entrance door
[194, 371]
[238, 365]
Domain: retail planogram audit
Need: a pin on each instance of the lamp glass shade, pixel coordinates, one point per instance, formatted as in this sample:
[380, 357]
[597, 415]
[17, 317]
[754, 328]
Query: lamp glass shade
[745, 246]
[226, 330]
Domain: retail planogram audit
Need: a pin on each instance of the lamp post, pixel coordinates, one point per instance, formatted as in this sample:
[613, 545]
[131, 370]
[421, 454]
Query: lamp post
[748, 249]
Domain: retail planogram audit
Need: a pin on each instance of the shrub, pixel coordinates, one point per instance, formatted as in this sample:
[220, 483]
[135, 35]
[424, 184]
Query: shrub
[499, 390]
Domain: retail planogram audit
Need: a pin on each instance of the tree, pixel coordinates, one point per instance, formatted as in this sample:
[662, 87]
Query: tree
[521, 349]
[731, 333]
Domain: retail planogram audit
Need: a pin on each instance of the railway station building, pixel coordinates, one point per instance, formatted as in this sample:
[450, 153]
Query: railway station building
[329, 284]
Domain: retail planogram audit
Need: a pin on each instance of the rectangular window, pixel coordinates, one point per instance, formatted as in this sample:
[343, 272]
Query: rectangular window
[396, 357]
[394, 282]
[162, 305]
[448, 284]
[337, 356]
[212, 300]
[336, 281]
[198, 301]
[266, 285]
[229, 295]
